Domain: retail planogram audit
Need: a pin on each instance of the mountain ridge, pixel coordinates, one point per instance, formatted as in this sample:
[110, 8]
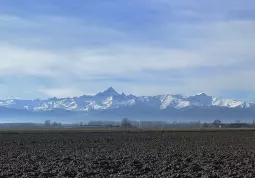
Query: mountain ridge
[110, 99]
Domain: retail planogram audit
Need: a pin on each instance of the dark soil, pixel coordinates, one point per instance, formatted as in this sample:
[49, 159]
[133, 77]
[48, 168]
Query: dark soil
[152, 154]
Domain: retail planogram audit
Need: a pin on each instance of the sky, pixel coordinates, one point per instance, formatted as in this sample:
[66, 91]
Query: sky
[69, 48]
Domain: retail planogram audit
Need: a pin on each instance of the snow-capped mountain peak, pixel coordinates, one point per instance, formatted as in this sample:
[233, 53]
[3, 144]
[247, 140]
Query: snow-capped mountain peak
[109, 92]
[201, 94]
[110, 99]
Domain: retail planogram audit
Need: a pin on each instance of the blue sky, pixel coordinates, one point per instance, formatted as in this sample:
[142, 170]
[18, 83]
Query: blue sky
[144, 47]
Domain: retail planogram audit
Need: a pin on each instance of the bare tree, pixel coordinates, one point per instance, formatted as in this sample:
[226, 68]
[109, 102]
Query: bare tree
[47, 123]
[216, 123]
[238, 121]
[205, 125]
[55, 125]
[126, 123]
[60, 125]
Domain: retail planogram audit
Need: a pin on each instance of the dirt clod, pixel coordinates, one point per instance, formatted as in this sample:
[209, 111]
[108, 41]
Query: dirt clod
[128, 154]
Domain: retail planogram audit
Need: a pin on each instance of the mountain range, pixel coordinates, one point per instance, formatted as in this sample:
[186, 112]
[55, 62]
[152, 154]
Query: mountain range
[111, 104]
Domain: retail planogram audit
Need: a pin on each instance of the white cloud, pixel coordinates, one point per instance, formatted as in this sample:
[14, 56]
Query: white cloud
[212, 44]
[61, 92]
[19, 61]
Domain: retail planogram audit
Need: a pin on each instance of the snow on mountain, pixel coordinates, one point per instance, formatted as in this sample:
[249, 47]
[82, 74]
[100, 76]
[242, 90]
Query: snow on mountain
[171, 101]
[110, 99]
[230, 103]
[200, 100]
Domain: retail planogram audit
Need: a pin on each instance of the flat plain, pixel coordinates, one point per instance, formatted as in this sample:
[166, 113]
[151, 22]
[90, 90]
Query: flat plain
[77, 153]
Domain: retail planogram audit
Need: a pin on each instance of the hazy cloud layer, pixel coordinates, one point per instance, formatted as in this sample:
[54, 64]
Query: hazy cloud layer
[143, 48]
